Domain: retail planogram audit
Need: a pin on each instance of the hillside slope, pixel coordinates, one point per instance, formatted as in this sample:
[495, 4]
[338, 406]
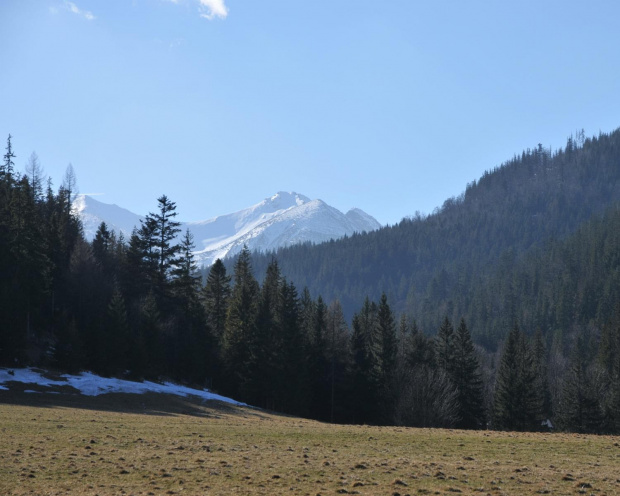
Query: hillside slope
[427, 264]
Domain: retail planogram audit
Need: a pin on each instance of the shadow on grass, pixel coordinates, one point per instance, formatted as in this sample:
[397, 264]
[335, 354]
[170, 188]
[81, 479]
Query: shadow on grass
[145, 404]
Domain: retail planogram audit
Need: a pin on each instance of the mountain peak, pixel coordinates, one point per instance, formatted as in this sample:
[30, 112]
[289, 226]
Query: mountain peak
[290, 198]
[283, 219]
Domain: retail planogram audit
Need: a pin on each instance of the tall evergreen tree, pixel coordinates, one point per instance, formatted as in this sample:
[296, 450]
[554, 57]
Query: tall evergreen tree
[215, 296]
[541, 383]
[102, 245]
[516, 405]
[7, 167]
[158, 249]
[581, 409]
[240, 326]
[419, 350]
[291, 385]
[338, 354]
[468, 381]
[266, 343]
[185, 277]
[386, 329]
[366, 365]
[318, 364]
[444, 346]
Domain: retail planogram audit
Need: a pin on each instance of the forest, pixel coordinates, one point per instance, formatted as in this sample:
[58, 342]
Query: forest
[500, 310]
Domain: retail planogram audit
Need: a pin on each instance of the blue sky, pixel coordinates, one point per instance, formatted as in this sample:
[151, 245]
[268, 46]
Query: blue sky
[390, 106]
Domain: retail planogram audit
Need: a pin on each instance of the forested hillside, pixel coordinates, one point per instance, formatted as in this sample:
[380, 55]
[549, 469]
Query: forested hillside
[528, 258]
[431, 266]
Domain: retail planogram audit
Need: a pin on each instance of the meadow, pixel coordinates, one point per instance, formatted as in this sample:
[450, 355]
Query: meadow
[57, 444]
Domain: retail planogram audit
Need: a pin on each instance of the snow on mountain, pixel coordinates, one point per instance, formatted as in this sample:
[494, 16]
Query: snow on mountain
[281, 220]
[93, 212]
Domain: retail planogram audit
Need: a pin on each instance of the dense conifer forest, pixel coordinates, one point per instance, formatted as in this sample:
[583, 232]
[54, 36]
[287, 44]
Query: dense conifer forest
[501, 309]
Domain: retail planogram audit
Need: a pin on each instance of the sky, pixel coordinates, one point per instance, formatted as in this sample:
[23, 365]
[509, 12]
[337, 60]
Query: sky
[389, 106]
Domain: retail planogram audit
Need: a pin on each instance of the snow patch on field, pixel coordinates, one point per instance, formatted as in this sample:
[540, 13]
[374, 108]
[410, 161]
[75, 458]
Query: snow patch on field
[90, 384]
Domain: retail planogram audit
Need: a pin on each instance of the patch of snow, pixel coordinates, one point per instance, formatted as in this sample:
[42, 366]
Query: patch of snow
[30, 391]
[90, 384]
[4, 388]
[547, 423]
[26, 376]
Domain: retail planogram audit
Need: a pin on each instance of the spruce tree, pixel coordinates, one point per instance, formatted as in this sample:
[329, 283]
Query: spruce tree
[102, 245]
[318, 364]
[366, 365]
[6, 168]
[468, 381]
[419, 350]
[541, 384]
[386, 329]
[185, 277]
[215, 296]
[291, 390]
[240, 331]
[339, 359]
[444, 346]
[516, 404]
[580, 407]
[156, 246]
[266, 343]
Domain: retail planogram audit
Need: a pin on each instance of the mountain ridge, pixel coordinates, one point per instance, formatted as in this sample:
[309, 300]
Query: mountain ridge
[283, 219]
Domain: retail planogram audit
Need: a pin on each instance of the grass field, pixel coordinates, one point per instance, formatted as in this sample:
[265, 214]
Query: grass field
[155, 444]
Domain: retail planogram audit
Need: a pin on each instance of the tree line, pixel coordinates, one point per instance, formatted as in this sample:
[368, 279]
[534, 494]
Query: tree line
[442, 263]
[139, 308]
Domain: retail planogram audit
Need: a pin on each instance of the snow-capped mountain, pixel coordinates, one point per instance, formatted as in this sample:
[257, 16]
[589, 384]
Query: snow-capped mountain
[281, 220]
[93, 212]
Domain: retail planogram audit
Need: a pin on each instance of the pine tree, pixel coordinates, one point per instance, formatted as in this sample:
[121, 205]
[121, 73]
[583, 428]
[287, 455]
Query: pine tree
[291, 385]
[580, 405]
[541, 384]
[388, 353]
[102, 245]
[468, 381]
[215, 296]
[420, 350]
[6, 168]
[338, 353]
[366, 365]
[444, 346]
[156, 244]
[240, 326]
[516, 405]
[318, 364]
[266, 343]
[28, 272]
[186, 279]
[306, 315]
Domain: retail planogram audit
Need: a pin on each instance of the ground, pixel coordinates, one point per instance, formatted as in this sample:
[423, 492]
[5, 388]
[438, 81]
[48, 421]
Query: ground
[158, 444]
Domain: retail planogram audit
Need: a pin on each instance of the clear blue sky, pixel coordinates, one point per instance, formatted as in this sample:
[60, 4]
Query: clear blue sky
[391, 106]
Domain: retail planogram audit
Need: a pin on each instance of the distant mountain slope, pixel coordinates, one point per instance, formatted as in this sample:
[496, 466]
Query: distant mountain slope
[92, 212]
[284, 219]
[427, 264]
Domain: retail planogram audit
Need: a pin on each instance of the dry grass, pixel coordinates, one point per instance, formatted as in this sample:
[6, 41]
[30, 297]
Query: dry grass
[118, 444]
